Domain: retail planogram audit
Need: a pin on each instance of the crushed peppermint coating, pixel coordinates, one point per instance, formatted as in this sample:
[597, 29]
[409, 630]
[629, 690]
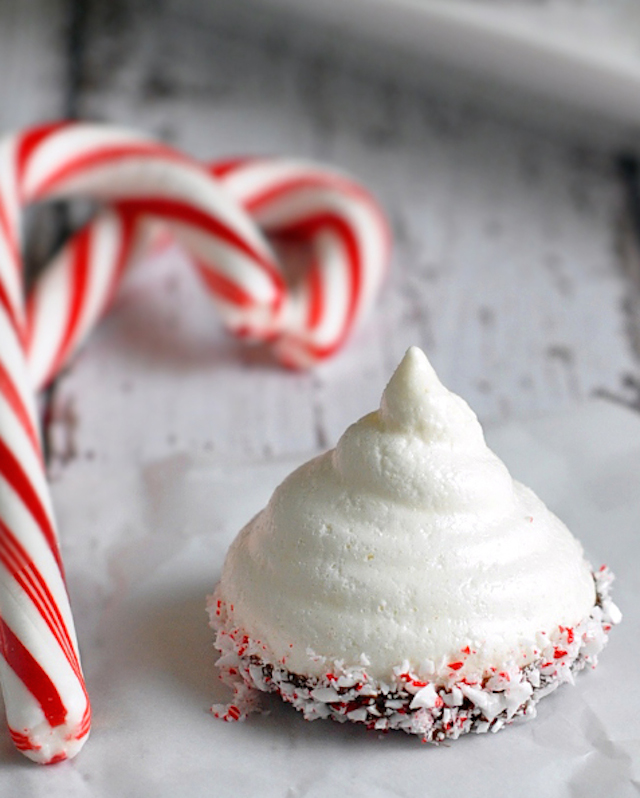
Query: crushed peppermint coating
[405, 581]
[443, 708]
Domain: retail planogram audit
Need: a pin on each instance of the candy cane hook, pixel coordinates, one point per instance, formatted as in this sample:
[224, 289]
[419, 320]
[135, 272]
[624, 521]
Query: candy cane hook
[224, 216]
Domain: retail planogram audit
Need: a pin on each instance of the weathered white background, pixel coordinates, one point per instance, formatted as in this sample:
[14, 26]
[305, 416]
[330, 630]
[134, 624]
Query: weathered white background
[514, 266]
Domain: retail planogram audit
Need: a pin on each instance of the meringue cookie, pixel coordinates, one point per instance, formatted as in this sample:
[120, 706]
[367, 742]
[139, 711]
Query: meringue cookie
[406, 544]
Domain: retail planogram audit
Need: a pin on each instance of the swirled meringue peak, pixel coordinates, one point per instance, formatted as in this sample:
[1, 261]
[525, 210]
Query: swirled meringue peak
[408, 543]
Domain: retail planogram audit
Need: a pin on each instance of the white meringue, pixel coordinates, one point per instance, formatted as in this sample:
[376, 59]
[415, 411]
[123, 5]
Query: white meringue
[408, 541]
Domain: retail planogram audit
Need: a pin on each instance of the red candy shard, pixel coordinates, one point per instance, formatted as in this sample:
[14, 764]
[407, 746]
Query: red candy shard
[559, 652]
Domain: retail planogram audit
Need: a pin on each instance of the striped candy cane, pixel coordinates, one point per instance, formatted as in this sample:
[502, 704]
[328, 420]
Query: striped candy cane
[224, 216]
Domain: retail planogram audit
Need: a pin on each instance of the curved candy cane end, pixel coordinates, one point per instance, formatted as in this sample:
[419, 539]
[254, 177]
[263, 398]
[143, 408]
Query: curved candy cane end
[224, 219]
[47, 745]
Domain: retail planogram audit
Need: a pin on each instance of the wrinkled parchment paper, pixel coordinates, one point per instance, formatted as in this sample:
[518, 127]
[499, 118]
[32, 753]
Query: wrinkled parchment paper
[144, 546]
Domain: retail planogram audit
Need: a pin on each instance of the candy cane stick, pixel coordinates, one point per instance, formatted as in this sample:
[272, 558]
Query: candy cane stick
[45, 697]
[44, 693]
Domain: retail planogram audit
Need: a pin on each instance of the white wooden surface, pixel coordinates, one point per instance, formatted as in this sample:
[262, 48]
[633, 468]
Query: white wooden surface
[32, 62]
[507, 263]
[513, 264]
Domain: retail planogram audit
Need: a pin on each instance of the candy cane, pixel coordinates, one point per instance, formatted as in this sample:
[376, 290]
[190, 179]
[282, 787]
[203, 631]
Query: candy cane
[223, 216]
[286, 198]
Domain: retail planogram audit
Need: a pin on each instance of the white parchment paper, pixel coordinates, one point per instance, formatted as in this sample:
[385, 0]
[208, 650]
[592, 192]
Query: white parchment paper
[143, 547]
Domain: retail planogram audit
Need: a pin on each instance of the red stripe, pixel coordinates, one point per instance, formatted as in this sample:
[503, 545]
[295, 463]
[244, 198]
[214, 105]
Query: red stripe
[14, 400]
[6, 305]
[310, 227]
[311, 182]
[221, 286]
[30, 580]
[228, 166]
[29, 322]
[305, 230]
[13, 473]
[106, 155]
[129, 223]
[22, 741]
[78, 254]
[316, 297]
[126, 238]
[19, 565]
[257, 203]
[314, 353]
[85, 723]
[61, 757]
[176, 211]
[32, 139]
[32, 675]
[9, 234]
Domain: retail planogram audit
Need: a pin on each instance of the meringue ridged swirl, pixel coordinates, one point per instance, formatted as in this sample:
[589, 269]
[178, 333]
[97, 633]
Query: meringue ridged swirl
[408, 542]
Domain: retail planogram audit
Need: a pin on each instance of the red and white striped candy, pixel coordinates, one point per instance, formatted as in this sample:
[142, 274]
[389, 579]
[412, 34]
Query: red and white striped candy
[224, 215]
